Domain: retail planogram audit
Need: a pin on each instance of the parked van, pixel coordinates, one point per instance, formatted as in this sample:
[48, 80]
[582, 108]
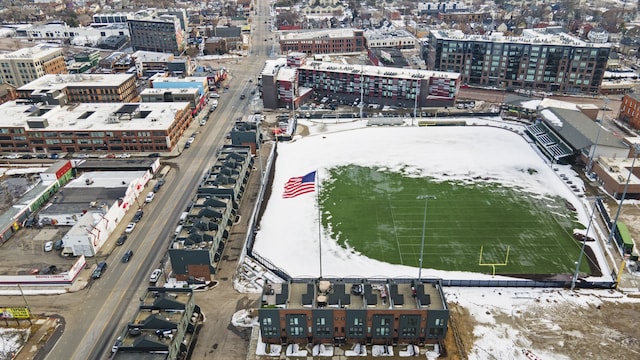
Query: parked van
[183, 217]
[178, 229]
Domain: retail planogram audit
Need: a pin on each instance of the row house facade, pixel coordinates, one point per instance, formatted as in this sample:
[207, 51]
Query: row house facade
[353, 311]
[201, 238]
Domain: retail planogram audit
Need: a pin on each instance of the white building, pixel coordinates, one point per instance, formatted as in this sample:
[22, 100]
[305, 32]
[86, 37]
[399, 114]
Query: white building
[83, 35]
[389, 37]
[102, 216]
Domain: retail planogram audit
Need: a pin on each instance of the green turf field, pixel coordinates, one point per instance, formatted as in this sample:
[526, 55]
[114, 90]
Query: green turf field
[377, 213]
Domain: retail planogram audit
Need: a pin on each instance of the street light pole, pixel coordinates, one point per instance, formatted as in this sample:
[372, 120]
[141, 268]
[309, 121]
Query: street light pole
[415, 104]
[636, 151]
[424, 225]
[584, 243]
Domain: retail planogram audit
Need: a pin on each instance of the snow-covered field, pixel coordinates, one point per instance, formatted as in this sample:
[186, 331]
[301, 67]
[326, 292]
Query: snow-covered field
[503, 322]
[447, 153]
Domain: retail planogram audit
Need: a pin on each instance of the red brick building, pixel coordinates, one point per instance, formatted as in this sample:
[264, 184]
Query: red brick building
[630, 110]
[334, 41]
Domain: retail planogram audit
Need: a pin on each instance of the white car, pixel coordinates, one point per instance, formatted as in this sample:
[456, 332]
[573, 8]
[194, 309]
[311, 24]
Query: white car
[123, 156]
[150, 197]
[48, 246]
[130, 228]
[155, 276]
[214, 95]
[12, 156]
[203, 122]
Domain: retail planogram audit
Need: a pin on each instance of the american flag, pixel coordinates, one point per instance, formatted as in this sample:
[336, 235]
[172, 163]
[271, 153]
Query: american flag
[300, 185]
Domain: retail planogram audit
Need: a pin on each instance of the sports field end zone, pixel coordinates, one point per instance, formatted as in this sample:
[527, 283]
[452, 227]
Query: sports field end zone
[472, 165]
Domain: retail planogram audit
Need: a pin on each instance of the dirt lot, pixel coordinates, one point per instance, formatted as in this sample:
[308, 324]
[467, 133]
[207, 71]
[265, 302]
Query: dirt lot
[24, 252]
[608, 330]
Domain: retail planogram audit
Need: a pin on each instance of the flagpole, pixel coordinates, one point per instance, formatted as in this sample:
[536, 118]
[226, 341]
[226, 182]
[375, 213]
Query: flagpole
[319, 220]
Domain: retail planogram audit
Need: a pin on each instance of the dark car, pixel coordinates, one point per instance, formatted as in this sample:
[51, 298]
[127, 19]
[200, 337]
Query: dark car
[27, 156]
[138, 215]
[54, 156]
[58, 245]
[41, 156]
[154, 155]
[127, 256]
[156, 187]
[121, 239]
[99, 270]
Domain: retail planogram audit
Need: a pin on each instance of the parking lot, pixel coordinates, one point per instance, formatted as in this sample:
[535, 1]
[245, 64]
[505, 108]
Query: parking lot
[23, 253]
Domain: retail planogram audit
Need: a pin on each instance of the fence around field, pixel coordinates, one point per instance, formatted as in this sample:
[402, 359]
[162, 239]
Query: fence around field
[260, 205]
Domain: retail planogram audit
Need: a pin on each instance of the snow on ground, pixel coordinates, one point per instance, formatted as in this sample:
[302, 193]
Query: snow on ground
[445, 153]
[500, 339]
[11, 340]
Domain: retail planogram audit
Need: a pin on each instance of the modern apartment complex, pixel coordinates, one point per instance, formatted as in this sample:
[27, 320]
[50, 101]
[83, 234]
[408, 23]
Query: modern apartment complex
[333, 41]
[146, 127]
[63, 89]
[25, 65]
[403, 88]
[541, 59]
[353, 311]
[159, 33]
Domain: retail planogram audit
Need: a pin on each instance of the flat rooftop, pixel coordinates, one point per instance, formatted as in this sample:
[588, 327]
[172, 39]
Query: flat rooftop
[530, 36]
[92, 116]
[157, 91]
[403, 294]
[317, 34]
[62, 81]
[33, 52]
[370, 70]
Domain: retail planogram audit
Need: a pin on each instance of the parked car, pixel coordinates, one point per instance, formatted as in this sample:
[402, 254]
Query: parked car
[41, 156]
[54, 156]
[155, 276]
[121, 239]
[138, 215]
[48, 246]
[127, 256]
[12, 156]
[26, 156]
[154, 155]
[130, 228]
[214, 95]
[99, 270]
[116, 345]
[150, 197]
[58, 244]
[203, 122]
[123, 156]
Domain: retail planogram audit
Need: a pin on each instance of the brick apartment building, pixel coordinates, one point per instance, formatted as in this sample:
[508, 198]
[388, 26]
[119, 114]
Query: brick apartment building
[334, 41]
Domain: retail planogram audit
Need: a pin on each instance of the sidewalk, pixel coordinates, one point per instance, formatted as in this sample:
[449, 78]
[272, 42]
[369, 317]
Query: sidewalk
[47, 331]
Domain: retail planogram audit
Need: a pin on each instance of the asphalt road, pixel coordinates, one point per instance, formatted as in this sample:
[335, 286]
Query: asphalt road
[96, 315]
